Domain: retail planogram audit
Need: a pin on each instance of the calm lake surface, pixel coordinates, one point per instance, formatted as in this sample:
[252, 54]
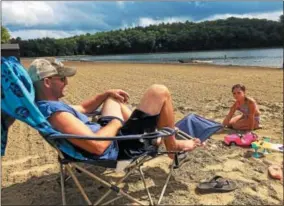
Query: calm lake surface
[243, 57]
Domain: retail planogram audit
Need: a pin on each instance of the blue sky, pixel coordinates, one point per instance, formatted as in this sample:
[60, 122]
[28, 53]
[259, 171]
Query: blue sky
[59, 19]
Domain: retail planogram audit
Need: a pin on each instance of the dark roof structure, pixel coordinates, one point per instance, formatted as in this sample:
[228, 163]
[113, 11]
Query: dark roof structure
[10, 46]
[10, 50]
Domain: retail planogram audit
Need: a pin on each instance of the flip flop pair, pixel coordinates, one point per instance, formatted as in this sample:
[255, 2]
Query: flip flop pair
[217, 184]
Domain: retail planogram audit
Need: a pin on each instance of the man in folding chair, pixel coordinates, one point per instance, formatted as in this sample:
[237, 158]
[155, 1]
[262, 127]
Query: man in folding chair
[17, 100]
[155, 110]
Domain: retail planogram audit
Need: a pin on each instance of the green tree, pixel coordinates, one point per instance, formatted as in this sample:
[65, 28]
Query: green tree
[208, 35]
[5, 36]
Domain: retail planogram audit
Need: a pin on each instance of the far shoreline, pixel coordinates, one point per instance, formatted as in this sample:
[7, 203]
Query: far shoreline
[201, 65]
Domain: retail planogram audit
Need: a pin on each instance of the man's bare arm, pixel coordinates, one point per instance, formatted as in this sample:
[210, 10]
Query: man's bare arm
[68, 124]
[91, 104]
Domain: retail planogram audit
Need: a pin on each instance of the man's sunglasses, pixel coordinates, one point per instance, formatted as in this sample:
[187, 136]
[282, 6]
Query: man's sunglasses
[63, 79]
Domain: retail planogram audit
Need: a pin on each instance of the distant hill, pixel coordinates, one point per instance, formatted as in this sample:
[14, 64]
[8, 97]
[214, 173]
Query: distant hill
[230, 33]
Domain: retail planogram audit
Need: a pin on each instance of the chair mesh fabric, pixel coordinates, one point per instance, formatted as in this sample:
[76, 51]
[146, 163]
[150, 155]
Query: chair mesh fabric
[197, 126]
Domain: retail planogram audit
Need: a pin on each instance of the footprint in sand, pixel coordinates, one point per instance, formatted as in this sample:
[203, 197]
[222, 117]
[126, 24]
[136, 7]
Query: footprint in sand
[261, 193]
[216, 199]
[19, 161]
[37, 171]
[20, 170]
[227, 166]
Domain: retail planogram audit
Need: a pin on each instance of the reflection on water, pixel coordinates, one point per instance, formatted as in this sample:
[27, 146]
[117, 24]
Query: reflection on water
[243, 57]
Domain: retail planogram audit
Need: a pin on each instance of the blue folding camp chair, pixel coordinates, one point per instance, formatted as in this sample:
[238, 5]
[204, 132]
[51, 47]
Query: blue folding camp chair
[17, 100]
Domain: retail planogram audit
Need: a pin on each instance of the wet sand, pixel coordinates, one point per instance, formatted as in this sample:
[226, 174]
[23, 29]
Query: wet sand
[29, 169]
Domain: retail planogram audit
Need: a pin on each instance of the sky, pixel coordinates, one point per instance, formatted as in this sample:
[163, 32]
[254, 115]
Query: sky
[60, 19]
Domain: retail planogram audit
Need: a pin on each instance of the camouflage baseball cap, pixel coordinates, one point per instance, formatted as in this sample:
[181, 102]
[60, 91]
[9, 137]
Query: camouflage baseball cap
[46, 67]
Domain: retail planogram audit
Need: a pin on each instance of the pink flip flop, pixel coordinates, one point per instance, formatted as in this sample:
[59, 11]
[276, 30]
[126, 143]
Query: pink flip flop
[275, 171]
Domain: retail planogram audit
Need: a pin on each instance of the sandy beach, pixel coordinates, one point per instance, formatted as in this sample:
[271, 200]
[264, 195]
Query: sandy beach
[30, 169]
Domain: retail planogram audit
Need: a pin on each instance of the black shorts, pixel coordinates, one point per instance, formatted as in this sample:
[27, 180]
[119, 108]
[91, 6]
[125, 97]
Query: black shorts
[138, 123]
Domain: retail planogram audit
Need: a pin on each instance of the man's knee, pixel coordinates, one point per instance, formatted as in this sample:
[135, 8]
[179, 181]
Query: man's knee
[111, 107]
[160, 90]
[111, 100]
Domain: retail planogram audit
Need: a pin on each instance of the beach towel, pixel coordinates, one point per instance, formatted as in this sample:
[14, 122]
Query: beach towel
[198, 127]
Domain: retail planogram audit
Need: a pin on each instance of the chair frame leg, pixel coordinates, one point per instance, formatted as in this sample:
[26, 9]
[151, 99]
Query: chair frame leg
[145, 185]
[62, 184]
[112, 186]
[166, 183]
[68, 167]
[130, 171]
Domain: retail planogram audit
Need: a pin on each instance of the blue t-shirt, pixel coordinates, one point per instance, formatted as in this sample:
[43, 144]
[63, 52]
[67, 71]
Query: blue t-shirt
[47, 108]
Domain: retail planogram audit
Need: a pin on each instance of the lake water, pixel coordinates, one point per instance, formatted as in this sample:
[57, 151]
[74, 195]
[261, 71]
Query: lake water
[243, 57]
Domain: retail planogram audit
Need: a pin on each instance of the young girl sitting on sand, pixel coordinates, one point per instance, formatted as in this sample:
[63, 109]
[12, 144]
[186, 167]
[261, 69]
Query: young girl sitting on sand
[249, 119]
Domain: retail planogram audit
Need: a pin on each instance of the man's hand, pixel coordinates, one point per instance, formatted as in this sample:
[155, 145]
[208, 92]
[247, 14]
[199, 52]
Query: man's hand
[118, 94]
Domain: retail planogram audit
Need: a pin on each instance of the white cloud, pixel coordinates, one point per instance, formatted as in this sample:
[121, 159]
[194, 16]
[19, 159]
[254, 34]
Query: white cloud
[198, 4]
[125, 25]
[121, 4]
[60, 15]
[27, 13]
[36, 13]
[269, 16]
[145, 21]
[33, 33]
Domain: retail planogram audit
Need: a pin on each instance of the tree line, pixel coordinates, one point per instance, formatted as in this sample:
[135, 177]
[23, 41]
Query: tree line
[5, 36]
[230, 33]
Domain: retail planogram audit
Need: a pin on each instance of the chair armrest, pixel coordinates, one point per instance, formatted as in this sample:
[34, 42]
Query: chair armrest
[164, 132]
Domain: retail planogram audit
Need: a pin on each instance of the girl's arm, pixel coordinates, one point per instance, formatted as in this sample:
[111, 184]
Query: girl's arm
[229, 116]
[252, 110]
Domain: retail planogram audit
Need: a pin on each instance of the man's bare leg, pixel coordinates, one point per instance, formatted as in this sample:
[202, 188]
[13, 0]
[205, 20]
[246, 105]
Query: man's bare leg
[126, 112]
[157, 100]
[111, 107]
